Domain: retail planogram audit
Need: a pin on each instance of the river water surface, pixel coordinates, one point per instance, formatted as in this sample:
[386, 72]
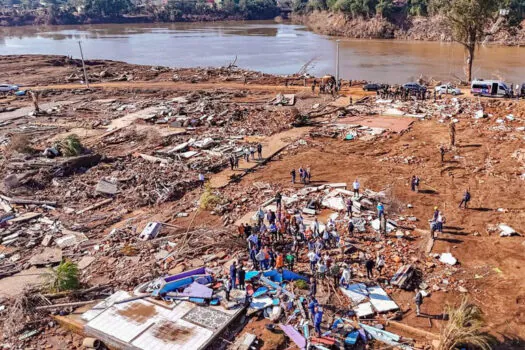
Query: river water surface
[264, 46]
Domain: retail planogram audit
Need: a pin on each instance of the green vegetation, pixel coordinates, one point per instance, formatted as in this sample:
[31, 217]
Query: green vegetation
[464, 329]
[70, 146]
[81, 11]
[64, 277]
[300, 284]
[106, 8]
[390, 9]
[467, 20]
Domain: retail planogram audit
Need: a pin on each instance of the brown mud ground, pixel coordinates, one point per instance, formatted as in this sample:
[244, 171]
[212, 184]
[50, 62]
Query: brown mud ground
[490, 266]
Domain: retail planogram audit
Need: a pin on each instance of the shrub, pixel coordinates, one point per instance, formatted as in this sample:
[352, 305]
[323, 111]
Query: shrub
[64, 277]
[70, 146]
[209, 200]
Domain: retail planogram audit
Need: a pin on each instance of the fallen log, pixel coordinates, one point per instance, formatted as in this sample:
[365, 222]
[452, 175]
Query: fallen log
[413, 330]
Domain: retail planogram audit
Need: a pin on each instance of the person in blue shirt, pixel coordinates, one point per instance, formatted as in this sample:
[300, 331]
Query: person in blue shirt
[380, 210]
[233, 274]
[311, 307]
[318, 319]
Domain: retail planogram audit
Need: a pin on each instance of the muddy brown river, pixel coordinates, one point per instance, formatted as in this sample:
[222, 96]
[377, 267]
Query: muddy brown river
[264, 46]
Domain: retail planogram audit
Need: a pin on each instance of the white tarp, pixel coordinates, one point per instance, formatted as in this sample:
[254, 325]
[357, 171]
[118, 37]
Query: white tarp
[380, 300]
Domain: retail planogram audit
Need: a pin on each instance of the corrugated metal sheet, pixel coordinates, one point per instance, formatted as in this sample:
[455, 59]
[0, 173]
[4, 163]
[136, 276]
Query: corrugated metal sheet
[380, 300]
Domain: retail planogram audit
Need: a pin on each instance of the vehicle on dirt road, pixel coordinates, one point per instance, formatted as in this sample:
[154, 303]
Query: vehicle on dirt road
[373, 87]
[489, 88]
[447, 89]
[8, 87]
[415, 87]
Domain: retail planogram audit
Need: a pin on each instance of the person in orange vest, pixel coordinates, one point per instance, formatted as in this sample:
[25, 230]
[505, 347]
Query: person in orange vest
[279, 261]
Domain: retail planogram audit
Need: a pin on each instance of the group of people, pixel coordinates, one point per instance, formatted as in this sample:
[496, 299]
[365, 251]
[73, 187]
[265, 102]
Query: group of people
[331, 86]
[248, 152]
[401, 93]
[305, 175]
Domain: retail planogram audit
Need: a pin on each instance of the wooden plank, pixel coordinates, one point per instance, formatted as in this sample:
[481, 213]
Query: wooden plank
[95, 206]
[25, 217]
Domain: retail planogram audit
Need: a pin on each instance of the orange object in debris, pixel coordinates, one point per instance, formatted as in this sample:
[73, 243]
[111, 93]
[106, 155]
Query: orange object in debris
[322, 340]
[397, 259]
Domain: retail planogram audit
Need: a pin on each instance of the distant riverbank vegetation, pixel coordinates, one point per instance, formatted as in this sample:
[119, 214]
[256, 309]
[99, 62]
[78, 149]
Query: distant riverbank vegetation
[395, 9]
[54, 12]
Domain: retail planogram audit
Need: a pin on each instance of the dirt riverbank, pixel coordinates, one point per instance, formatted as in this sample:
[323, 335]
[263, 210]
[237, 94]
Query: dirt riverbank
[413, 28]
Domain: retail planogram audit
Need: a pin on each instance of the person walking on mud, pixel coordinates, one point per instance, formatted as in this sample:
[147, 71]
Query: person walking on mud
[308, 174]
[418, 299]
[415, 183]
[259, 151]
[232, 162]
[442, 152]
[313, 86]
[452, 133]
[247, 154]
[201, 179]
[292, 173]
[466, 199]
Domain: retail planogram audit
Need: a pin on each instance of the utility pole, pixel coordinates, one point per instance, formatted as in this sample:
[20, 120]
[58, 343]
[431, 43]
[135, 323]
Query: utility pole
[83, 65]
[337, 61]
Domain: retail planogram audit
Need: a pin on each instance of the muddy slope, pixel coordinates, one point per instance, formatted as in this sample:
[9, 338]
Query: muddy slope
[416, 28]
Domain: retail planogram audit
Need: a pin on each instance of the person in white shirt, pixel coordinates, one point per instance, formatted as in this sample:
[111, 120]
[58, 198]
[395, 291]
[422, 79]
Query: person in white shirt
[380, 263]
[356, 185]
[321, 269]
[313, 257]
[201, 179]
[346, 276]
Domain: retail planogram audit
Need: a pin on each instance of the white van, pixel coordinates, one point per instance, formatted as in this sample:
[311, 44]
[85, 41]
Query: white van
[491, 88]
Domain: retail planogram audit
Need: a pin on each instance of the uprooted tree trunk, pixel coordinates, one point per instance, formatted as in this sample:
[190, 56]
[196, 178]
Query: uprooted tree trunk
[34, 98]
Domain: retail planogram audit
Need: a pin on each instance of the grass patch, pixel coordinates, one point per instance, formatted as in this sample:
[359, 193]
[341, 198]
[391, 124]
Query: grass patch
[464, 329]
